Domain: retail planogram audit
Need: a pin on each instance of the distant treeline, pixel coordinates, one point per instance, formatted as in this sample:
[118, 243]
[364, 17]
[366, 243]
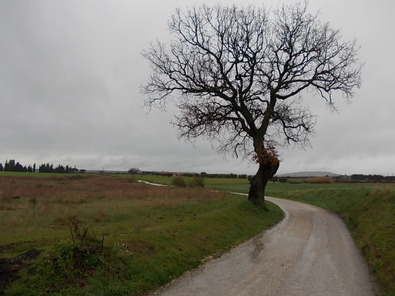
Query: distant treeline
[203, 174]
[15, 166]
[372, 178]
[49, 168]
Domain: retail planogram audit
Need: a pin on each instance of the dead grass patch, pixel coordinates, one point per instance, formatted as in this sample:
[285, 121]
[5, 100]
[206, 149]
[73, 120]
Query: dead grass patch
[319, 180]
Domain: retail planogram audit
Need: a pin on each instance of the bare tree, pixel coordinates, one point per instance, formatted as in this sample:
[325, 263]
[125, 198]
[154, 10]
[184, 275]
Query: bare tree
[237, 76]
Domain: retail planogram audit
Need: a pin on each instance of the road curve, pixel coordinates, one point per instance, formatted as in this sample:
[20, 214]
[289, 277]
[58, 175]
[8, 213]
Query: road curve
[309, 253]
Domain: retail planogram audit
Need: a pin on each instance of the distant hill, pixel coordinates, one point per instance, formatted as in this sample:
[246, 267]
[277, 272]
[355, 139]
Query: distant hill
[308, 174]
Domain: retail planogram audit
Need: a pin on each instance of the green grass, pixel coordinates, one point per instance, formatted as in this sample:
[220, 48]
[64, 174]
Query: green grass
[369, 212]
[165, 180]
[367, 209]
[225, 184]
[155, 234]
[161, 232]
[36, 175]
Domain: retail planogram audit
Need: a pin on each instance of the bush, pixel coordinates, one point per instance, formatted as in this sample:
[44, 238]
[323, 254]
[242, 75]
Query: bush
[196, 182]
[72, 265]
[81, 256]
[179, 182]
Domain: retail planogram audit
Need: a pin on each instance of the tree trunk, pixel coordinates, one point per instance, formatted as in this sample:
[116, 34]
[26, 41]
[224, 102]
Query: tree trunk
[258, 183]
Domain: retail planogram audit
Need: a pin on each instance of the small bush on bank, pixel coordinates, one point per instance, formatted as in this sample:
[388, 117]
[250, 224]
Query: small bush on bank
[71, 266]
[196, 182]
[179, 182]
[73, 261]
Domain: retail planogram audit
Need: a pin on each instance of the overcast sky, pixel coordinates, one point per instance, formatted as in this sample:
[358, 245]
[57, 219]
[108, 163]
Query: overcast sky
[70, 77]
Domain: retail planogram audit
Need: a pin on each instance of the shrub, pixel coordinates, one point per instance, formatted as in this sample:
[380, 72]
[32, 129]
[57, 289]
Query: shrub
[196, 182]
[80, 257]
[179, 182]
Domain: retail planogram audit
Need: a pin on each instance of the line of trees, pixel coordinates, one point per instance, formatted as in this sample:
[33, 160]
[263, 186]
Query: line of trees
[185, 174]
[49, 168]
[372, 178]
[15, 166]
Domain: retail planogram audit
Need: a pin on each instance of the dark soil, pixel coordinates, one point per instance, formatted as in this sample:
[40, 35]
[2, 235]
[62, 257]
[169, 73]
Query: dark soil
[9, 267]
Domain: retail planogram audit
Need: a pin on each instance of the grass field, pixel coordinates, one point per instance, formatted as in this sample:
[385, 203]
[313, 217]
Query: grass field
[104, 235]
[225, 184]
[35, 175]
[157, 233]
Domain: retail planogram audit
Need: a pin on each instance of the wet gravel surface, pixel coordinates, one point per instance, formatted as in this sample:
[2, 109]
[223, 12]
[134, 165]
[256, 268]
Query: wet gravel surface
[309, 253]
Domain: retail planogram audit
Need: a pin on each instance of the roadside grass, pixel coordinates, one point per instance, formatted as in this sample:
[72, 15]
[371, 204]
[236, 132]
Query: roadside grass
[146, 235]
[369, 212]
[367, 209]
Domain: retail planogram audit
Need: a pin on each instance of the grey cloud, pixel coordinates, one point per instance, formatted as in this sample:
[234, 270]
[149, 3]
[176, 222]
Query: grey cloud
[70, 73]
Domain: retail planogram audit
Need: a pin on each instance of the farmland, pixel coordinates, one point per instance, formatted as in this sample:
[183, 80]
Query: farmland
[113, 235]
[153, 234]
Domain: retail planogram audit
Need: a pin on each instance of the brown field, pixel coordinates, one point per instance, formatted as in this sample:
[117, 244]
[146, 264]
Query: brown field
[29, 207]
[91, 235]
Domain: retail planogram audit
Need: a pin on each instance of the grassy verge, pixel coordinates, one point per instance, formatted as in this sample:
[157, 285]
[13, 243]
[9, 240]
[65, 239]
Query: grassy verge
[111, 236]
[369, 212]
[367, 209]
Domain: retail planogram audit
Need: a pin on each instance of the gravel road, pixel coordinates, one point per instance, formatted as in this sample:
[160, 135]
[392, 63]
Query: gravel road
[309, 253]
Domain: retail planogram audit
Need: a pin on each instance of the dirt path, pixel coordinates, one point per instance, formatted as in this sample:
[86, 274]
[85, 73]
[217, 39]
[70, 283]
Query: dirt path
[309, 253]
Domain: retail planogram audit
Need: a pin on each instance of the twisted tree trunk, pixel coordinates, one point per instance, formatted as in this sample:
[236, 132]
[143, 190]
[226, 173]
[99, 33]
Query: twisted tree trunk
[268, 166]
